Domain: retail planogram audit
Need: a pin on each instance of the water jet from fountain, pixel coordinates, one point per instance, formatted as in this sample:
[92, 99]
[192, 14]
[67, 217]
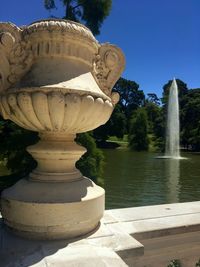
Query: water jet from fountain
[172, 147]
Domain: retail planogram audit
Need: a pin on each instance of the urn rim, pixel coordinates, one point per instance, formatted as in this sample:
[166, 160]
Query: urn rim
[59, 20]
[61, 24]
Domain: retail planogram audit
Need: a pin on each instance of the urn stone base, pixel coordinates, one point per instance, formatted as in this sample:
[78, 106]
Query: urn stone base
[48, 210]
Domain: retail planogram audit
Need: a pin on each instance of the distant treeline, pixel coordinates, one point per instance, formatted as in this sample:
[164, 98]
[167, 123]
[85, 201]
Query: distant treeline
[143, 118]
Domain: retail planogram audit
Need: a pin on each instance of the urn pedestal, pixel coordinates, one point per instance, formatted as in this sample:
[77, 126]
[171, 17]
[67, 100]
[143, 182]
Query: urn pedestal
[56, 79]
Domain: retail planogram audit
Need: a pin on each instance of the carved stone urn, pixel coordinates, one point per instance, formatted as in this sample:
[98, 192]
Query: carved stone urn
[56, 79]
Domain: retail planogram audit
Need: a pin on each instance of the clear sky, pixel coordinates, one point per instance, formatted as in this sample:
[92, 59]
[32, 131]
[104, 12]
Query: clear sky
[160, 38]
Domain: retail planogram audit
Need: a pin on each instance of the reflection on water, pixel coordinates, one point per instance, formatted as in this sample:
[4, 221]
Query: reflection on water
[138, 178]
[172, 170]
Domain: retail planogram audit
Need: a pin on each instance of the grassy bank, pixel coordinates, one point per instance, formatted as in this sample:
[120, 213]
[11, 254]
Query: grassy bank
[122, 142]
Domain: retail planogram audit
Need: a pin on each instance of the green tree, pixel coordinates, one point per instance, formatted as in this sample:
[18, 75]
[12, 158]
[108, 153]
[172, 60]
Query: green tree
[152, 107]
[138, 134]
[190, 119]
[91, 163]
[155, 121]
[152, 97]
[116, 126]
[14, 141]
[90, 12]
[159, 130]
[118, 123]
[130, 96]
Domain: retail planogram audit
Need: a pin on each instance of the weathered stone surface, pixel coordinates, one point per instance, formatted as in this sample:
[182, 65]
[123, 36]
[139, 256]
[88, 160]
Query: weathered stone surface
[55, 79]
[15, 53]
[111, 245]
[167, 232]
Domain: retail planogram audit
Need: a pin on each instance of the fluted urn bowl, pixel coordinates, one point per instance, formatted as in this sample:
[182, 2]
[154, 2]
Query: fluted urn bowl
[55, 111]
[56, 79]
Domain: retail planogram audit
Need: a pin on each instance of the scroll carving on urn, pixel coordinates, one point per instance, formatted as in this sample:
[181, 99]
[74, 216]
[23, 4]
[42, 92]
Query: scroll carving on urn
[107, 67]
[15, 55]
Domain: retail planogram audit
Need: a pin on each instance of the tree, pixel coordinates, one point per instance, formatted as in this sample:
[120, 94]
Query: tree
[14, 141]
[116, 126]
[91, 163]
[138, 134]
[118, 123]
[190, 119]
[152, 97]
[152, 107]
[159, 130]
[90, 12]
[155, 121]
[130, 96]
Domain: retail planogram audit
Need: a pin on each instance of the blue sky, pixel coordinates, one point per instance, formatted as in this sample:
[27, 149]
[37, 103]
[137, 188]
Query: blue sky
[160, 38]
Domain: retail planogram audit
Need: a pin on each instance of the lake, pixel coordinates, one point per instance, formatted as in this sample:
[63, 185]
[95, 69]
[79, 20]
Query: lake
[139, 178]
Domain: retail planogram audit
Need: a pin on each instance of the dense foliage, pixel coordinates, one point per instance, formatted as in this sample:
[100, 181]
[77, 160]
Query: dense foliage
[189, 103]
[14, 141]
[116, 126]
[131, 97]
[144, 119]
[90, 12]
[190, 120]
[91, 163]
[138, 132]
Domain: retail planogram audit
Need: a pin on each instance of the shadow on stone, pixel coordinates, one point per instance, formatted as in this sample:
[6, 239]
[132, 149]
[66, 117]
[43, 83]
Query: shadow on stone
[16, 251]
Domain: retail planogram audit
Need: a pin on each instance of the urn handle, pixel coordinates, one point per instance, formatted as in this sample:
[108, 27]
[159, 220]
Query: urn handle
[15, 55]
[108, 65]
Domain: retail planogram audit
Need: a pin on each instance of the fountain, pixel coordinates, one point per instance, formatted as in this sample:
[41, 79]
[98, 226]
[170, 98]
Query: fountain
[173, 128]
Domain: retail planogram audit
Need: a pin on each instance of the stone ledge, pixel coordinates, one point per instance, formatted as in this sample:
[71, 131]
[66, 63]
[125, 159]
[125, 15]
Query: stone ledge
[155, 221]
[162, 232]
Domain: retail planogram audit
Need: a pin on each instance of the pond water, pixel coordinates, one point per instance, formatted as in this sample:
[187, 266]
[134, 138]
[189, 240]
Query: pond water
[139, 178]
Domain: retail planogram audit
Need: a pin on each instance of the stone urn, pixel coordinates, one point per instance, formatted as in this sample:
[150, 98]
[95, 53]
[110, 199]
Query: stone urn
[55, 79]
